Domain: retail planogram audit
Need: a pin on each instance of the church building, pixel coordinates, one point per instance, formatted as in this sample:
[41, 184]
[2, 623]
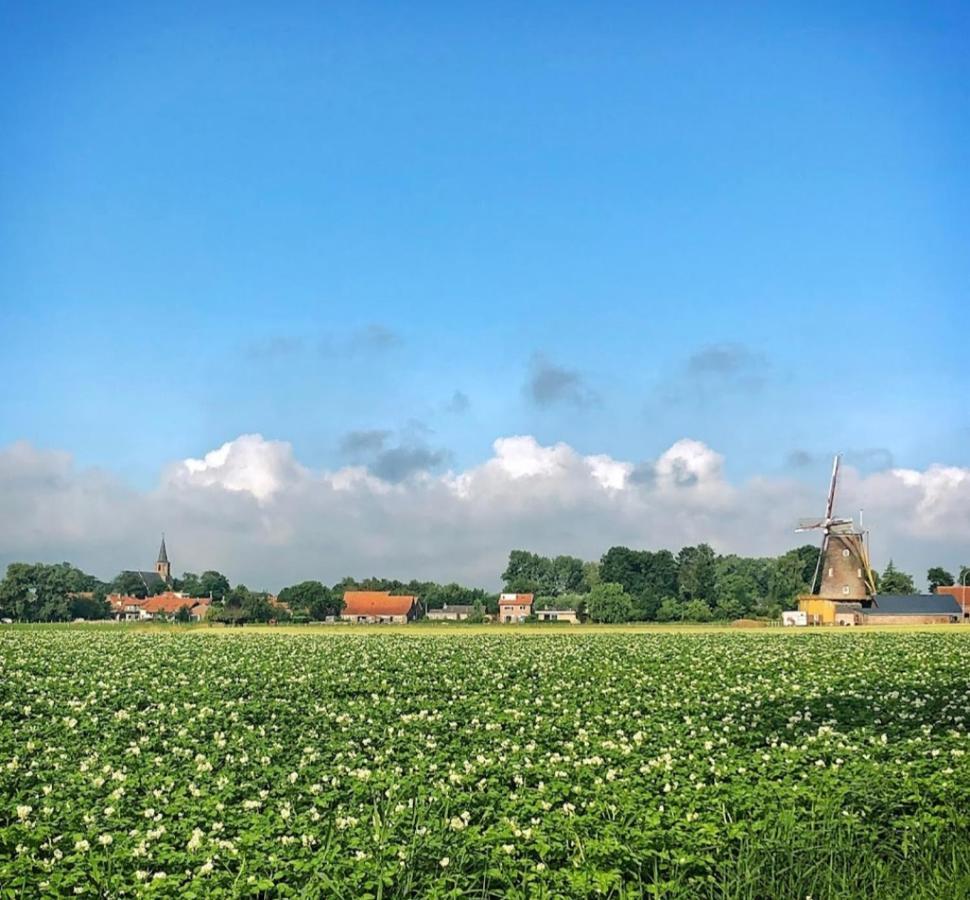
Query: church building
[161, 578]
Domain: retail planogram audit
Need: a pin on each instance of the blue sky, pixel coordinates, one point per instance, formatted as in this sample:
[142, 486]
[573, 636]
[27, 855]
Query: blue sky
[610, 225]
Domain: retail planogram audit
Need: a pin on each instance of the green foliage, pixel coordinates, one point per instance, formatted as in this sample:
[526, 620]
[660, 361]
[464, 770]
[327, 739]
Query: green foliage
[697, 611]
[670, 610]
[609, 603]
[130, 584]
[533, 574]
[50, 593]
[312, 600]
[893, 581]
[189, 584]
[182, 615]
[647, 576]
[697, 573]
[938, 577]
[213, 584]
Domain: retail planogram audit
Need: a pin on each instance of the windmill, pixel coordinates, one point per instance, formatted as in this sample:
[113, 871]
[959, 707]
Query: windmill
[843, 561]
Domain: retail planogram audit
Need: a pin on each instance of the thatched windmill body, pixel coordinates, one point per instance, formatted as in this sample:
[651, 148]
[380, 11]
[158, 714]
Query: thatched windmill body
[843, 560]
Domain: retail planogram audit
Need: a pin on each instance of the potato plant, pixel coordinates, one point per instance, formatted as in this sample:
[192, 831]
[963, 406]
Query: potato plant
[483, 765]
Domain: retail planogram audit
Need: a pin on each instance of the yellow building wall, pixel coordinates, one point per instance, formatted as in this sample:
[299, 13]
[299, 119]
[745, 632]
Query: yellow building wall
[819, 610]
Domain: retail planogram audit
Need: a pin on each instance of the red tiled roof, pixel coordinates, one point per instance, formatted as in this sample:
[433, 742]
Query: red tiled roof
[167, 603]
[520, 600]
[376, 603]
[120, 601]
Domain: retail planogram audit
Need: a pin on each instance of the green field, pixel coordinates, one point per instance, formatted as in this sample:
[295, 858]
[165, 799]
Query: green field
[468, 763]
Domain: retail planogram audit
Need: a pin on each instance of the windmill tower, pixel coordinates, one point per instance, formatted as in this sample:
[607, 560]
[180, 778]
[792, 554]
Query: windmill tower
[843, 560]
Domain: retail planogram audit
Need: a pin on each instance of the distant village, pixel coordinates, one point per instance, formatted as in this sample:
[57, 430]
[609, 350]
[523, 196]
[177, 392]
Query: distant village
[359, 607]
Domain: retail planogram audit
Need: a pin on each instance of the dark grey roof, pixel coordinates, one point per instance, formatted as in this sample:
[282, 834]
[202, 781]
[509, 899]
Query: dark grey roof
[162, 552]
[452, 608]
[149, 579]
[914, 605]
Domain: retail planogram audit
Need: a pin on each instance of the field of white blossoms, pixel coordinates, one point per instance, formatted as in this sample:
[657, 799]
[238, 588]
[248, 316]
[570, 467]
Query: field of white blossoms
[209, 764]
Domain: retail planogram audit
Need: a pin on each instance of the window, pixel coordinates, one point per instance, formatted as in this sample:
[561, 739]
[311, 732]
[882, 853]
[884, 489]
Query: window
[845, 553]
[845, 589]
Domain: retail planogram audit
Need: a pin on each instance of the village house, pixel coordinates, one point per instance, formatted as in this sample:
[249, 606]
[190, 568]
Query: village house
[514, 607]
[378, 607]
[450, 613]
[161, 606]
[558, 615]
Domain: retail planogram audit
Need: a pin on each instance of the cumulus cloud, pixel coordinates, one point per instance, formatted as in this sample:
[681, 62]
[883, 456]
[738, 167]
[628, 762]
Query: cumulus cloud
[549, 385]
[252, 510]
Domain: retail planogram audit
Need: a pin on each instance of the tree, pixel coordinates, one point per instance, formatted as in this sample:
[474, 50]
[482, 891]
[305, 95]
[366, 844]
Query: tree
[130, 584]
[50, 593]
[213, 584]
[697, 611]
[183, 616]
[938, 577]
[591, 576]
[648, 577]
[83, 607]
[670, 610]
[696, 573]
[608, 602]
[311, 599]
[786, 579]
[189, 584]
[893, 581]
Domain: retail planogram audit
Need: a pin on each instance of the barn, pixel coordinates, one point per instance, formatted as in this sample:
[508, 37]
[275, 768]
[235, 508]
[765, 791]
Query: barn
[912, 609]
[378, 607]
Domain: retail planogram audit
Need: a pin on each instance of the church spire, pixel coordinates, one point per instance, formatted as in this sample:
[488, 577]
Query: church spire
[163, 567]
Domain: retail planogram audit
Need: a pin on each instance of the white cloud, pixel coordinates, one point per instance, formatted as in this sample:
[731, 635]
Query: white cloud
[250, 509]
[249, 463]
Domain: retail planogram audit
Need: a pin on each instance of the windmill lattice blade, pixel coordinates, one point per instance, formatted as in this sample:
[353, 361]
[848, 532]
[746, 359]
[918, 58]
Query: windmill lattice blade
[818, 564]
[835, 478]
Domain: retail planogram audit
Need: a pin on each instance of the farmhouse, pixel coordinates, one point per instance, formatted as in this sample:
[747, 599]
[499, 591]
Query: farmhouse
[514, 607]
[378, 607]
[452, 613]
[557, 615]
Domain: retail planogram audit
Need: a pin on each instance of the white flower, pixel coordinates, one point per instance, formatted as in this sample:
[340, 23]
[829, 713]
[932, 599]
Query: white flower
[443, 862]
[105, 840]
[82, 845]
[23, 812]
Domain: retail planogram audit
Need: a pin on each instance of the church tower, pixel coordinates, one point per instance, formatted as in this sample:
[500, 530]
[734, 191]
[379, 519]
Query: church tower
[163, 567]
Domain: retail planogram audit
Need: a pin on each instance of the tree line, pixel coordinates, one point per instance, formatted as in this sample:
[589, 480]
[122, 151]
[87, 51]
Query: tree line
[696, 585]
